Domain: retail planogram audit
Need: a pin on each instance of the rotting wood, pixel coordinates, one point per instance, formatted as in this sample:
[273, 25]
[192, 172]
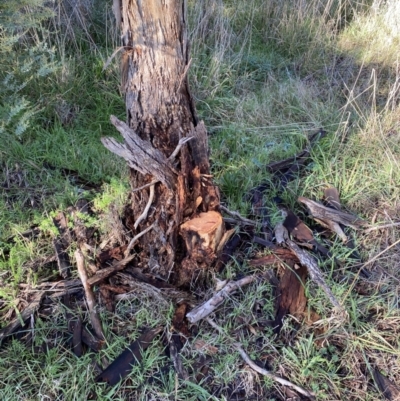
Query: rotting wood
[91, 301]
[205, 309]
[165, 145]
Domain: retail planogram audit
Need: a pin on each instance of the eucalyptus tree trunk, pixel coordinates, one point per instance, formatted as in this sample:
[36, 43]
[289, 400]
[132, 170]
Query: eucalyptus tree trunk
[173, 200]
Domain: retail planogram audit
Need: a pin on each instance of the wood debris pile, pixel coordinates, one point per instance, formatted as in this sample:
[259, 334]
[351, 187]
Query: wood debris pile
[110, 271]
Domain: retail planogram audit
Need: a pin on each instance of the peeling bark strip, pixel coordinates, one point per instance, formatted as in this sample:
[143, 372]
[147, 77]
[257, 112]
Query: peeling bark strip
[161, 117]
[140, 155]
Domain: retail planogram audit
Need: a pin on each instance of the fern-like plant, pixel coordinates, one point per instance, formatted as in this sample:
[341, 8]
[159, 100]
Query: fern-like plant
[25, 58]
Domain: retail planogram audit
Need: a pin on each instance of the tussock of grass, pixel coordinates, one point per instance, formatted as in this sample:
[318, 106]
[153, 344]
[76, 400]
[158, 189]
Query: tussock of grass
[264, 75]
[374, 36]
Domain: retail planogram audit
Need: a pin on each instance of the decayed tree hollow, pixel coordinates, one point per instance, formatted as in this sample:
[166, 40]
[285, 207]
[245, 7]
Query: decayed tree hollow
[160, 115]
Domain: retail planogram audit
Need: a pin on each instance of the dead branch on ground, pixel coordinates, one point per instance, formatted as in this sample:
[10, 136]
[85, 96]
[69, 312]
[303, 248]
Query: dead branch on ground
[260, 370]
[91, 301]
[203, 310]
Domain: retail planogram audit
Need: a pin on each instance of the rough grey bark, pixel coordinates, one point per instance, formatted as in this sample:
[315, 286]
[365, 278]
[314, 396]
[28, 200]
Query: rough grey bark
[160, 115]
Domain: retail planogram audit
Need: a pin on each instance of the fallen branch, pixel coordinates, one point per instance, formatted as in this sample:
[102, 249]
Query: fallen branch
[260, 370]
[104, 273]
[203, 310]
[368, 230]
[315, 273]
[135, 238]
[91, 301]
[237, 216]
[322, 212]
[146, 209]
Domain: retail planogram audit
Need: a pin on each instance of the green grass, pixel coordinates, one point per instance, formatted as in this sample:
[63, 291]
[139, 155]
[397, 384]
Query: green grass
[264, 75]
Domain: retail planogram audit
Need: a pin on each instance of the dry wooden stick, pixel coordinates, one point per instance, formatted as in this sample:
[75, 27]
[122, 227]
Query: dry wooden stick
[182, 141]
[373, 228]
[135, 238]
[104, 273]
[145, 186]
[146, 209]
[203, 310]
[319, 211]
[260, 370]
[237, 216]
[91, 301]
